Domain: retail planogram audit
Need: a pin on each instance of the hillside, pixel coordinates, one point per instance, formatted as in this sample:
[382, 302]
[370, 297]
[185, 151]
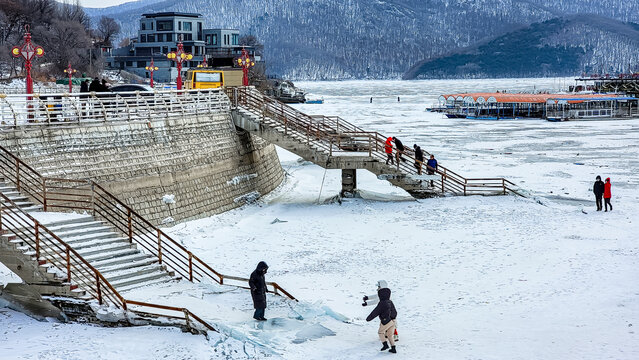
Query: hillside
[557, 47]
[337, 39]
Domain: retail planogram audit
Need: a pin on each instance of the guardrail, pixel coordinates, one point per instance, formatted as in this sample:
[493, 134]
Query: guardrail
[65, 108]
[333, 134]
[87, 195]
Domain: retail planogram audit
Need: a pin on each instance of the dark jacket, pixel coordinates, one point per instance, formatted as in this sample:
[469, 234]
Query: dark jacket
[598, 188]
[385, 309]
[95, 86]
[84, 87]
[432, 163]
[257, 283]
[399, 145]
[419, 154]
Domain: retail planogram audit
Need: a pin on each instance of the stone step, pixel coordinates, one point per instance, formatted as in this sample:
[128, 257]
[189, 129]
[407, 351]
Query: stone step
[82, 231]
[105, 249]
[93, 236]
[75, 226]
[74, 220]
[160, 280]
[109, 263]
[140, 280]
[118, 276]
[111, 255]
[83, 248]
[132, 263]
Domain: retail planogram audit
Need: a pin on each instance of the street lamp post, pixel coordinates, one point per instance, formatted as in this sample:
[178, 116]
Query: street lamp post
[245, 62]
[204, 63]
[179, 56]
[152, 68]
[28, 51]
[70, 71]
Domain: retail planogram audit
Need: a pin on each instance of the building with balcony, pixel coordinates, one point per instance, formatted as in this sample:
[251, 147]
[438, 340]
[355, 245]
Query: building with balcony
[158, 35]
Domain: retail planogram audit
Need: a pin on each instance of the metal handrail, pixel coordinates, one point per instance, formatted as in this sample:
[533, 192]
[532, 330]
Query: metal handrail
[332, 134]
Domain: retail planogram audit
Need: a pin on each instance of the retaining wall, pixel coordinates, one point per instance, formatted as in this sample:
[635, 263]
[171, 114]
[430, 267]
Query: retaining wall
[203, 161]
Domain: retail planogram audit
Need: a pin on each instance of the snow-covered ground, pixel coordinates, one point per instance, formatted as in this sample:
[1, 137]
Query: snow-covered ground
[472, 278]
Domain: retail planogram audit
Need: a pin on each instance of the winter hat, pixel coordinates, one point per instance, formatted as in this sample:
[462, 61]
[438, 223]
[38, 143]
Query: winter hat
[608, 179]
[598, 177]
[381, 284]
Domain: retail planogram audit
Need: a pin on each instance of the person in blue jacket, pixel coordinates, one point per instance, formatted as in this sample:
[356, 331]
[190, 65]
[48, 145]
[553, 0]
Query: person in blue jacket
[431, 166]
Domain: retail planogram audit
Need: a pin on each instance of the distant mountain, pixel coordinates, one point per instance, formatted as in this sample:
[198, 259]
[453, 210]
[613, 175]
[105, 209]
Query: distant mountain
[563, 46]
[338, 39]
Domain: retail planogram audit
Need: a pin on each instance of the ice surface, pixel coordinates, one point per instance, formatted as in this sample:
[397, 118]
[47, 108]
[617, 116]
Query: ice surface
[472, 278]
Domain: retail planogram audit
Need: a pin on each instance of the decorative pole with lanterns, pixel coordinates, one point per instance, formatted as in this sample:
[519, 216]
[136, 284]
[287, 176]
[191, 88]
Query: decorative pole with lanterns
[28, 51]
[70, 71]
[179, 56]
[245, 62]
[204, 62]
[151, 68]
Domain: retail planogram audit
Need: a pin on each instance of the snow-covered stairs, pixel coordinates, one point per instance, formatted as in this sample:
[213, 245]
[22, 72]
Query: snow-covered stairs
[17, 197]
[124, 265]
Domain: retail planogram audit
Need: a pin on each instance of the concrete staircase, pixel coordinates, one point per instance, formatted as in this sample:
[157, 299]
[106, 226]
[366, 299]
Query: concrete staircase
[124, 265]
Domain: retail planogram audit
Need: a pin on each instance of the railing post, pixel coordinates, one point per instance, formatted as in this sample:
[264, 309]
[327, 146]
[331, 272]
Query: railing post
[1, 213]
[186, 318]
[18, 174]
[465, 182]
[44, 194]
[68, 264]
[129, 222]
[370, 147]
[159, 246]
[443, 177]
[190, 267]
[503, 185]
[37, 239]
[97, 282]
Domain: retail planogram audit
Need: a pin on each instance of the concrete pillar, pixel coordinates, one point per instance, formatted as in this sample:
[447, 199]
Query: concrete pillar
[349, 182]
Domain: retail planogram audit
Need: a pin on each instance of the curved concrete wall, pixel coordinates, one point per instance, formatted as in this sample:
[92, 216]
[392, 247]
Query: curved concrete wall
[207, 164]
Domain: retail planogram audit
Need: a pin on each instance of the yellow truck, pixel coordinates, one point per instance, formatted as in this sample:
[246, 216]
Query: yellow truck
[203, 78]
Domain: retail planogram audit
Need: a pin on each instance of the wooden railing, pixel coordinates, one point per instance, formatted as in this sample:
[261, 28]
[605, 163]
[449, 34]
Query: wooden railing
[78, 195]
[334, 134]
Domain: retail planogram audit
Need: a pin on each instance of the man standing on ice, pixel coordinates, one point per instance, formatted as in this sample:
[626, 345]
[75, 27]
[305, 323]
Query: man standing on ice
[387, 314]
[257, 283]
[598, 189]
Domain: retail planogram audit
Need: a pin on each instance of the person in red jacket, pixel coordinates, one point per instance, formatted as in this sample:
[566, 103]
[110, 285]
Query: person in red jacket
[388, 148]
[607, 194]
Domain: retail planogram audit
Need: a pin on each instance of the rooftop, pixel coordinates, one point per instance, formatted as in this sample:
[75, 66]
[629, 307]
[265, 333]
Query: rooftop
[165, 14]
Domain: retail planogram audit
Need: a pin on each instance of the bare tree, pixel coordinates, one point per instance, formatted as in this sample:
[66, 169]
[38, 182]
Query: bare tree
[107, 29]
[253, 41]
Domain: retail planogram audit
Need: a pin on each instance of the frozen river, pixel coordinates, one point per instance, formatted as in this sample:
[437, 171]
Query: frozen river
[472, 277]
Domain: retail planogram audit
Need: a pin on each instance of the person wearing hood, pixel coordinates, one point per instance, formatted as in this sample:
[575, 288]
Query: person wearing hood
[388, 148]
[607, 194]
[400, 149]
[257, 283]
[419, 158]
[387, 314]
[598, 189]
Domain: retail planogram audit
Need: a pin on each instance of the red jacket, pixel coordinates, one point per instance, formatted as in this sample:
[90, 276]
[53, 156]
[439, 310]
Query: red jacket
[607, 192]
[389, 146]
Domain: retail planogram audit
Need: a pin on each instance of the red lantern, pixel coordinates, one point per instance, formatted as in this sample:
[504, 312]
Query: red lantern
[28, 51]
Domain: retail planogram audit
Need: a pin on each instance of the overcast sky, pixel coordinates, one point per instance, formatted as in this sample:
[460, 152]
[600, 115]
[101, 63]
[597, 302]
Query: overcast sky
[102, 3]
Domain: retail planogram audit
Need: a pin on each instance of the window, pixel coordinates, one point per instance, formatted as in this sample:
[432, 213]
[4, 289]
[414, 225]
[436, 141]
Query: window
[236, 39]
[207, 40]
[187, 26]
[187, 37]
[150, 38]
[165, 25]
[141, 64]
[179, 25]
[129, 63]
[199, 31]
[208, 77]
[143, 26]
[160, 37]
[142, 38]
[169, 37]
[214, 39]
[595, 112]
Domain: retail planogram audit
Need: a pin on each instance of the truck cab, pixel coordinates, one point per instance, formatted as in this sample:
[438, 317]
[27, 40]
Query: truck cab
[204, 79]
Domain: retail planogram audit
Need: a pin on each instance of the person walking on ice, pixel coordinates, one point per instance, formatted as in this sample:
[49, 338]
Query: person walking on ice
[388, 148]
[431, 166]
[387, 314]
[257, 283]
[607, 194]
[598, 189]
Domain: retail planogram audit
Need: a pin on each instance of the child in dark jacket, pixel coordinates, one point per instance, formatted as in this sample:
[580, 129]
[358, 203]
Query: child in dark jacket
[387, 314]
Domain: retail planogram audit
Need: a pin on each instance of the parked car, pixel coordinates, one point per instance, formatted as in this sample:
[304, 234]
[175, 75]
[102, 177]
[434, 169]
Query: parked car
[130, 88]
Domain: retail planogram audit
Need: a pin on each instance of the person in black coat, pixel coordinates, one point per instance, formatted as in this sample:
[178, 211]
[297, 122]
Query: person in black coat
[419, 158]
[387, 314]
[400, 149]
[598, 189]
[95, 85]
[257, 283]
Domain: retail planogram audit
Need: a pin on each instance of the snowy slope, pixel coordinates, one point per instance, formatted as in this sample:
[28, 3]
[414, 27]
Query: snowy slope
[472, 278]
